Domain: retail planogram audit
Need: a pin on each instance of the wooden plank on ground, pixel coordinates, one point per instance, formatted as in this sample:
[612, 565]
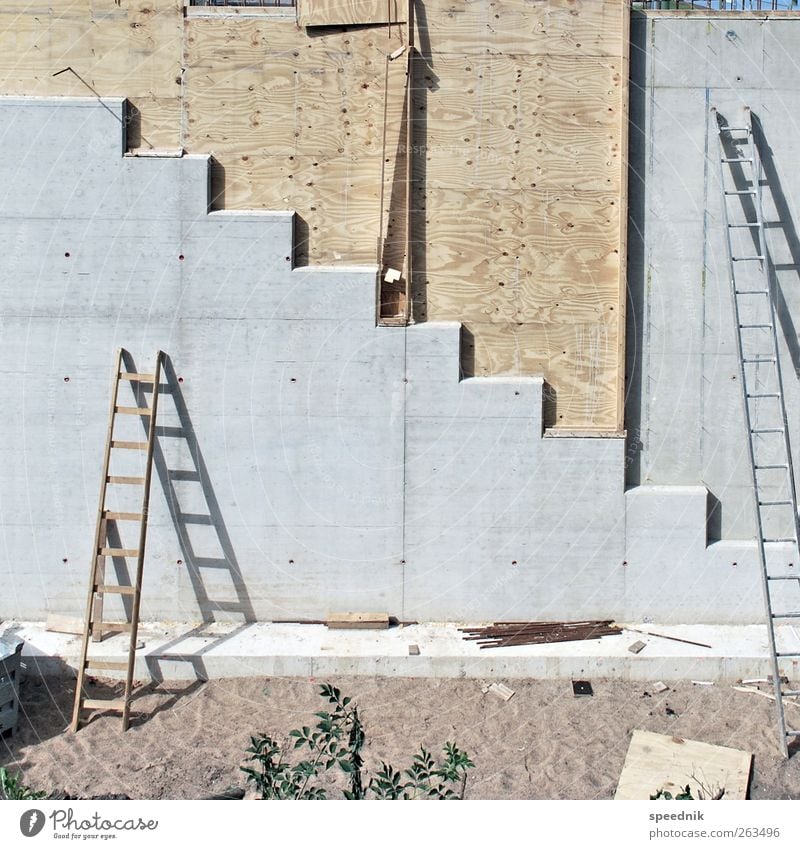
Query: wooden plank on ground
[358, 620]
[660, 762]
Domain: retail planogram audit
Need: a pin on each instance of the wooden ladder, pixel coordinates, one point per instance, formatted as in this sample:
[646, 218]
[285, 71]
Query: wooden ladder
[94, 626]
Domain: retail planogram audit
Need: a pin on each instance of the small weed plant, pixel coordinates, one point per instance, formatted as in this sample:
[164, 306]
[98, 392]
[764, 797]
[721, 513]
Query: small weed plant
[292, 769]
[12, 788]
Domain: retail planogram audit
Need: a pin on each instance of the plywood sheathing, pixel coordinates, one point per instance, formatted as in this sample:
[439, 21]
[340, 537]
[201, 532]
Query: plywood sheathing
[128, 50]
[519, 146]
[298, 123]
[519, 167]
[327, 12]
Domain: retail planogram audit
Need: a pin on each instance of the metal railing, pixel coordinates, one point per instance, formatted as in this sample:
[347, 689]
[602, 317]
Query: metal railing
[720, 5]
[245, 3]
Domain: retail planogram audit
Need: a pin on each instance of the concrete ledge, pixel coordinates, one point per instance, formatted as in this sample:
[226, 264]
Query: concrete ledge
[217, 650]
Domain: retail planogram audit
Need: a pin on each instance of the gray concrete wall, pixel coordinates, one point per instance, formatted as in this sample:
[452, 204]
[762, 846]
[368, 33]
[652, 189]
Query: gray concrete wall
[309, 461]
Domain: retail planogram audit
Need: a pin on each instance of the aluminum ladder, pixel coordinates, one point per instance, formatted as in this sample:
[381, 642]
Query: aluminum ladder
[775, 494]
[107, 530]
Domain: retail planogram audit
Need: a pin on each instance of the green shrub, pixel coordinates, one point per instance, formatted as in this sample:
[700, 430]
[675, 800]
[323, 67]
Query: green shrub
[12, 788]
[335, 743]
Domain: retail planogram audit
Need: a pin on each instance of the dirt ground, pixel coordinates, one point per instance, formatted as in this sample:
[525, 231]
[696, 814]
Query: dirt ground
[544, 743]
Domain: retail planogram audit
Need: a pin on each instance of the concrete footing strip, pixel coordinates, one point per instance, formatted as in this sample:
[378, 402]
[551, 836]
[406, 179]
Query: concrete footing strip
[228, 650]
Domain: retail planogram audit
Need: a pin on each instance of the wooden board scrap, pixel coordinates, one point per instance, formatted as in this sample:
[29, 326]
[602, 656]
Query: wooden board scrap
[659, 762]
[500, 690]
[349, 621]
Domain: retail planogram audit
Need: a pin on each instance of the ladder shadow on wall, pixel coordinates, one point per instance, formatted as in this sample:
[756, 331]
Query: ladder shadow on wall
[783, 227]
[636, 259]
[210, 552]
[770, 181]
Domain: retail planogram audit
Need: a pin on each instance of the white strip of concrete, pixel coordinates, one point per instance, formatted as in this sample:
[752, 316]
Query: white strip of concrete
[224, 650]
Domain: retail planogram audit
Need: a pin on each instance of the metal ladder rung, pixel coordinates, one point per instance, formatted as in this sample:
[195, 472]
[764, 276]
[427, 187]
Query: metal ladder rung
[771, 466]
[783, 577]
[736, 159]
[759, 360]
[746, 258]
[790, 693]
[754, 326]
[740, 191]
[752, 291]
[735, 130]
[787, 654]
[767, 430]
[746, 224]
[773, 503]
[790, 733]
[763, 394]
[778, 539]
[790, 614]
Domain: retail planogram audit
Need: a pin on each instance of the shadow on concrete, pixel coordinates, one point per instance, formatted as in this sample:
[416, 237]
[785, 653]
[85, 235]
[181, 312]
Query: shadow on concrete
[196, 560]
[713, 518]
[216, 179]
[467, 352]
[300, 241]
[637, 263]
[425, 80]
[784, 226]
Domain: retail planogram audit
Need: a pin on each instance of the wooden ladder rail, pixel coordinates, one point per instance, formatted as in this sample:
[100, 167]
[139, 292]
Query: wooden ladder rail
[93, 624]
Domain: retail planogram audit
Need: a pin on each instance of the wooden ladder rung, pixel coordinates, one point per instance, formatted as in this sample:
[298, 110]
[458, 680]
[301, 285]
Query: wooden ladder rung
[106, 664]
[103, 704]
[125, 479]
[112, 627]
[114, 588]
[134, 411]
[119, 552]
[132, 375]
[132, 446]
[113, 515]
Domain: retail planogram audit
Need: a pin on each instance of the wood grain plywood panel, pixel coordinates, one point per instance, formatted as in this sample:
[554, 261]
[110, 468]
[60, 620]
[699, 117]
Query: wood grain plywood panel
[299, 124]
[318, 13]
[659, 762]
[578, 359]
[565, 27]
[132, 51]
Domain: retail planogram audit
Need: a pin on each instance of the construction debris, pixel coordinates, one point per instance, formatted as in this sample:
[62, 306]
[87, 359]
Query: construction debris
[660, 687]
[503, 634]
[765, 695]
[635, 648]
[666, 637]
[358, 620]
[582, 688]
[505, 693]
[413, 649]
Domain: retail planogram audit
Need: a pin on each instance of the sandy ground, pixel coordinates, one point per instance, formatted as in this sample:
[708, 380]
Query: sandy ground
[542, 744]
